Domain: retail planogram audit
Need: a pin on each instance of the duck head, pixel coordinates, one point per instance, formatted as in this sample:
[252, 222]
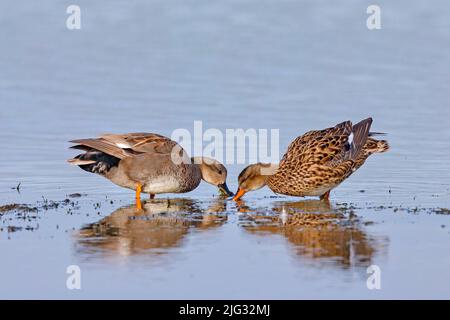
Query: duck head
[213, 172]
[252, 178]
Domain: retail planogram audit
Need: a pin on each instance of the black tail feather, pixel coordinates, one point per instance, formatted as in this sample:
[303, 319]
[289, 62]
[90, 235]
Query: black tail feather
[372, 134]
[103, 162]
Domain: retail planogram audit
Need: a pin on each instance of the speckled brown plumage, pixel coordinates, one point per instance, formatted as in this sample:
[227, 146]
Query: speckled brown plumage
[320, 160]
[315, 162]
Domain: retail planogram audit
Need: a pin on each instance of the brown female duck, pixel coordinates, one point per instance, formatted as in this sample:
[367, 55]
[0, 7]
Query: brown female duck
[147, 162]
[315, 162]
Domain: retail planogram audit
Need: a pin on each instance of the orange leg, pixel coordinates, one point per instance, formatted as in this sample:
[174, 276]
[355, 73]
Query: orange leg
[325, 196]
[152, 196]
[138, 196]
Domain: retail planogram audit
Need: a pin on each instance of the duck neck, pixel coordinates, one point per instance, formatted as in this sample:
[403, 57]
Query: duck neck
[196, 163]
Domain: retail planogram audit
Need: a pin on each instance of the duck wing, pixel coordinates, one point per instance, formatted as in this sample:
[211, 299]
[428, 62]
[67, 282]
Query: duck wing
[102, 145]
[318, 146]
[142, 142]
[129, 145]
[354, 144]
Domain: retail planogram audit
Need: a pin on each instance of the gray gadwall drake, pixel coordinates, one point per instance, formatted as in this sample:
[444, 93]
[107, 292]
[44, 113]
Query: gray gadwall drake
[315, 162]
[147, 162]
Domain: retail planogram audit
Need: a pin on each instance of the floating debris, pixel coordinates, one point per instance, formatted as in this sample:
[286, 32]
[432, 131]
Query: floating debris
[442, 211]
[17, 187]
[14, 229]
[76, 195]
[16, 207]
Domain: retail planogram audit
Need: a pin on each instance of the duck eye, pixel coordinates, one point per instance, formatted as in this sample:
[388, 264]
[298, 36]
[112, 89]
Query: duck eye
[220, 171]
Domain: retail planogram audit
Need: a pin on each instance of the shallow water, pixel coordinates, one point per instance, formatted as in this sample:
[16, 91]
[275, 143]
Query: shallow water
[158, 66]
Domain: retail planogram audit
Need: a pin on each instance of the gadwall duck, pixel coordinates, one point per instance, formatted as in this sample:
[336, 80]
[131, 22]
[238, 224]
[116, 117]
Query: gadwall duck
[315, 162]
[149, 163]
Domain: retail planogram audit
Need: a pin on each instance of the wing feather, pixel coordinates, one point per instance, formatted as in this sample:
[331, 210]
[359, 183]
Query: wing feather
[319, 146]
[103, 146]
[142, 142]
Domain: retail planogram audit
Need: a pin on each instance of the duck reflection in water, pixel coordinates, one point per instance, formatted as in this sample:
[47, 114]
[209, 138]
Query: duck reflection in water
[316, 230]
[160, 224]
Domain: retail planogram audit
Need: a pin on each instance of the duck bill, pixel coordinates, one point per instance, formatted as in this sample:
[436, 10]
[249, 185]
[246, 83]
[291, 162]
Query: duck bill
[239, 194]
[224, 190]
